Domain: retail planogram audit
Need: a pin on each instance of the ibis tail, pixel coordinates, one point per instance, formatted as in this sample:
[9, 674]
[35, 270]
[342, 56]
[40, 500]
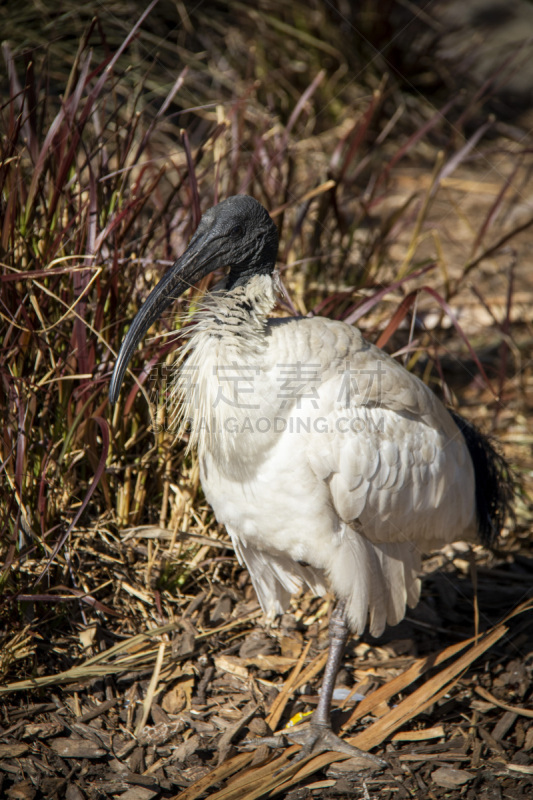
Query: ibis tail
[494, 482]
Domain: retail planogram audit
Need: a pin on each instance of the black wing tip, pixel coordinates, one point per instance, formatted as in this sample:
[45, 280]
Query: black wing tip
[496, 483]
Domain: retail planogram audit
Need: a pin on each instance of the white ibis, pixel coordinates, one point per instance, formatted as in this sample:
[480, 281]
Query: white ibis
[330, 465]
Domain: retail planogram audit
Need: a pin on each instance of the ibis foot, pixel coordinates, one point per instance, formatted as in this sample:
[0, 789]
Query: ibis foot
[316, 738]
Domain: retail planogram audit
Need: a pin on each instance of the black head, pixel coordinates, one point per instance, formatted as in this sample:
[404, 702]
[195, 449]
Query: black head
[240, 234]
[237, 233]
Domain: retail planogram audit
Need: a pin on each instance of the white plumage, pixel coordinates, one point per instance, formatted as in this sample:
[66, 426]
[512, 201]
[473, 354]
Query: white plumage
[353, 467]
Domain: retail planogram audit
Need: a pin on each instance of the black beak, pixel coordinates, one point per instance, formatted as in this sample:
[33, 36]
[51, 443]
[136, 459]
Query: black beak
[199, 260]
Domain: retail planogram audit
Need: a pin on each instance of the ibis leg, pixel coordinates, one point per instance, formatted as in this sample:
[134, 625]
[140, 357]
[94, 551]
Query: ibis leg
[317, 736]
[338, 635]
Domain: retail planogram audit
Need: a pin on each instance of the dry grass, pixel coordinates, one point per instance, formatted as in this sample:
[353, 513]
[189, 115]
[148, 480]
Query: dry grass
[122, 603]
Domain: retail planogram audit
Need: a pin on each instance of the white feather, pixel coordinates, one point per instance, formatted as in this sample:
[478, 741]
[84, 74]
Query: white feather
[336, 456]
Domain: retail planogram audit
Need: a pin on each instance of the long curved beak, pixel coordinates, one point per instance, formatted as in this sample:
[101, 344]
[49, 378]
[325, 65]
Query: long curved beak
[193, 265]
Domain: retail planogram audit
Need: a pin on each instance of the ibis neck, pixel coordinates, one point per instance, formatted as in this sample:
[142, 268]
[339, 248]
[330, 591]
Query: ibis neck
[221, 367]
[243, 306]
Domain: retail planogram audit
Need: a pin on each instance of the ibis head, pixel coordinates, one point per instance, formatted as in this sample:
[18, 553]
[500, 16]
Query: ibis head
[237, 233]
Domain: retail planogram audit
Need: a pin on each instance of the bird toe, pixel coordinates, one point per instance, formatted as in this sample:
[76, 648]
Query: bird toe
[317, 739]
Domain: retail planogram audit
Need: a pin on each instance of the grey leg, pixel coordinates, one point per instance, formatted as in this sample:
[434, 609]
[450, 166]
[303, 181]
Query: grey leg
[338, 635]
[317, 735]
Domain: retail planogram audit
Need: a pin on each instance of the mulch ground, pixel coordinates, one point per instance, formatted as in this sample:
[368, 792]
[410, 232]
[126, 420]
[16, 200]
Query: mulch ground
[170, 713]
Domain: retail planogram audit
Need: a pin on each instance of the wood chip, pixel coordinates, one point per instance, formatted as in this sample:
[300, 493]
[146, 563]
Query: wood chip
[101, 708]
[73, 792]
[159, 734]
[232, 664]
[226, 738]
[491, 741]
[24, 790]
[13, 750]
[291, 647]
[138, 793]
[179, 697]
[504, 724]
[475, 760]
[271, 662]
[419, 736]
[42, 730]
[77, 748]
[320, 785]
[451, 778]
[526, 769]
[343, 769]
[433, 757]
[186, 748]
